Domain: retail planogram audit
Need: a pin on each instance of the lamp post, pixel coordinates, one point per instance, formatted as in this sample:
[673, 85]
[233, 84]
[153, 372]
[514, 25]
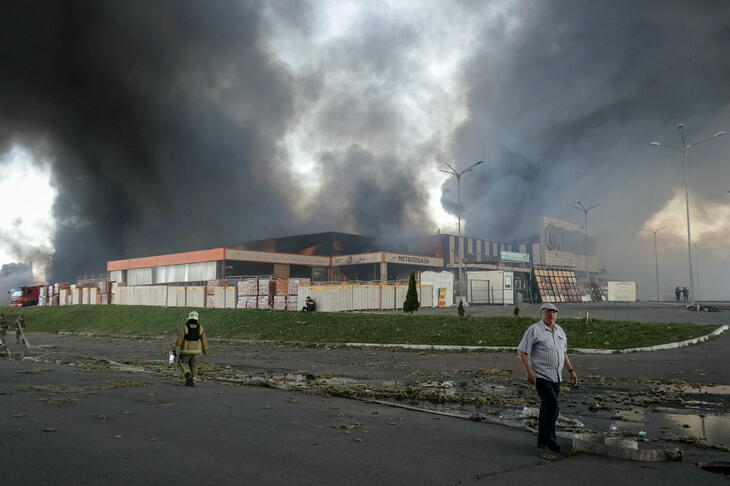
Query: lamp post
[458, 175]
[685, 148]
[656, 258]
[585, 210]
[697, 263]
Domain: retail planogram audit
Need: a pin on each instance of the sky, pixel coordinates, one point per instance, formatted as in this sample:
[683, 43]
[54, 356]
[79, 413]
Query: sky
[130, 128]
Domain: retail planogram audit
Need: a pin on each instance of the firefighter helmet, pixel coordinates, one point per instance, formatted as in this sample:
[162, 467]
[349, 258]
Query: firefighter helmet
[193, 315]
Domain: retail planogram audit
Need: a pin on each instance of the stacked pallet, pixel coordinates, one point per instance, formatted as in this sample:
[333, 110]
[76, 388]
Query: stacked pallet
[247, 302]
[265, 287]
[280, 302]
[262, 302]
[104, 292]
[248, 287]
[247, 290]
[43, 295]
[281, 287]
[266, 292]
[292, 303]
[210, 294]
[294, 283]
[292, 300]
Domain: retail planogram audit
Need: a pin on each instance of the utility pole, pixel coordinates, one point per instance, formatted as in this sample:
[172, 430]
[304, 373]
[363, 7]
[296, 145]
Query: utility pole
[585, 210]
[458, 175]
[685, 148]
[656, 259]
[697, 263]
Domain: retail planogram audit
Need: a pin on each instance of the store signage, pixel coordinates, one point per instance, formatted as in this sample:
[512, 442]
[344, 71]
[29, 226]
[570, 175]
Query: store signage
[511, 256]
[414, 260]
[358, 259]
[558, 236]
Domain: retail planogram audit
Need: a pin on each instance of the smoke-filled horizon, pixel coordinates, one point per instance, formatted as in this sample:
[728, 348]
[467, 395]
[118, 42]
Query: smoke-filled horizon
[185, 125]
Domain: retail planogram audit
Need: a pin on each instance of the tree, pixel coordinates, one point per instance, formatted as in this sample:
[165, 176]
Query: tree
[411, 304]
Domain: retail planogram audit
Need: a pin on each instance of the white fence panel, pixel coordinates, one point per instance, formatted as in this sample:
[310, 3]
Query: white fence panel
[158, 295]
[387, 297]
[195, 296]
[231, 297]
[359, 297]
[92, 295]
[400, 295]
[425, 295]
[220, 297]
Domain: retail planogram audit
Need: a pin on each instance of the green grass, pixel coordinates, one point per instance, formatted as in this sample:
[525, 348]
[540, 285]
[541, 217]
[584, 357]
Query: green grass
[348, 327]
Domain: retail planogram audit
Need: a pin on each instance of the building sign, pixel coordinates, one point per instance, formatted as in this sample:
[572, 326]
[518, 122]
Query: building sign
[414, 260]
[567, 237]
[511, 256]
[358, 259]
[561, 244]
[622, 291]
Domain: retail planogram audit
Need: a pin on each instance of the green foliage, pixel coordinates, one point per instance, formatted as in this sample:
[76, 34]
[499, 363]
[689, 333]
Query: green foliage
[460, 309]
[411, 304]
[137, 321]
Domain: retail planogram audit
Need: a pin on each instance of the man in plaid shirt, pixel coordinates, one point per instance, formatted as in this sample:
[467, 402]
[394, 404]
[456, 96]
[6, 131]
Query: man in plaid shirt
[543, 352]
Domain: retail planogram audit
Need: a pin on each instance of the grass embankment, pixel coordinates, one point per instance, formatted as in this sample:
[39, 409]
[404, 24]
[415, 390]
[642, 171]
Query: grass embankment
[348, 327]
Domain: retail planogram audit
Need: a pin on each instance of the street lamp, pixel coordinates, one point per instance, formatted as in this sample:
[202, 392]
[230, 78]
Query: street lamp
[458, 175]
[697, 263]
[585, 237]
[685, 148]
[656, 258]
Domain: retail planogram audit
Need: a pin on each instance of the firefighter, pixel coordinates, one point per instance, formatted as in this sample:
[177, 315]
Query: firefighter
[4, 325]
[190, 342]
[19, 324]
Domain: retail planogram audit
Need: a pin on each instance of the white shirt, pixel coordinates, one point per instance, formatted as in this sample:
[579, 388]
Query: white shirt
[546, 350]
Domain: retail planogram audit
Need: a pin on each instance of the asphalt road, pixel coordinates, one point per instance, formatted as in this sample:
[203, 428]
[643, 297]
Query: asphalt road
[226, 434]
[219, 434]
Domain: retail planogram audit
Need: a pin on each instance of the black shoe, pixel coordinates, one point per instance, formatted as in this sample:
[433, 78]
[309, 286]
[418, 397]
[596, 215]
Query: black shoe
[188, 379]
[554, 447]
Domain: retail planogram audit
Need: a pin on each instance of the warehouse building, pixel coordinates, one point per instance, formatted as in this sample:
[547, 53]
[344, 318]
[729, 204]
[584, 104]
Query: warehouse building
[343, 257]
[322, 257]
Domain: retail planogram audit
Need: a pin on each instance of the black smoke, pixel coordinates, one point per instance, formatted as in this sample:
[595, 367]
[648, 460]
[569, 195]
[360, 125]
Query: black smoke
[166, 125]
[564, 98]
[162, 119]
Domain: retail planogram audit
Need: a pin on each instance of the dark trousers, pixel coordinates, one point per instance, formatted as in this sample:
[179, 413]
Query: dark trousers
[548, 392]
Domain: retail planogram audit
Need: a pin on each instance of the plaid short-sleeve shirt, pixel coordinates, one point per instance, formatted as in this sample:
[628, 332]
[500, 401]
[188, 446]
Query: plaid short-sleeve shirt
[546, 350]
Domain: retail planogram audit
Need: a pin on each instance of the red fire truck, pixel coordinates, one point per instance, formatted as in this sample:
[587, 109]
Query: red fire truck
[24, 296]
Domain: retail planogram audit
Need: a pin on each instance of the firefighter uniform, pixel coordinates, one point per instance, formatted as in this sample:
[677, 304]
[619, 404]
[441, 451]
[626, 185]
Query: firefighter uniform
[191, 341]
[19, 324]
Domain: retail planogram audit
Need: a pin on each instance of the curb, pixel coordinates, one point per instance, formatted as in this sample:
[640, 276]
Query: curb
[446, 347]
[658, 347]
[442, 347]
